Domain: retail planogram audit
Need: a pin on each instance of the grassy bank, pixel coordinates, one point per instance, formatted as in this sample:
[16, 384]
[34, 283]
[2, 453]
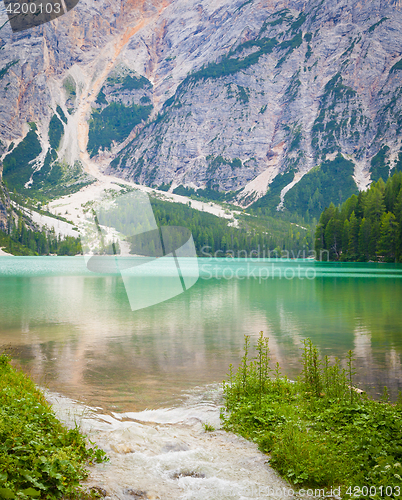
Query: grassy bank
[319, 431]
[39, 457]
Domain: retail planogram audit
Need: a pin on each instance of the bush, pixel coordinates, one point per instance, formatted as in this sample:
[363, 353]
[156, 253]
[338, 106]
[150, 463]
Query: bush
[319, 430]
[39, 457]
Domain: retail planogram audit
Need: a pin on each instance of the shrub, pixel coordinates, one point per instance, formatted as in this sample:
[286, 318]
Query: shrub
[39, 457]
[319, 430]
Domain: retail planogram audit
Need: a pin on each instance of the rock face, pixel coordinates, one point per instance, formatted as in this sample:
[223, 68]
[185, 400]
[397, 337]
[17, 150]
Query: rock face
[241, 95]
[4, 205]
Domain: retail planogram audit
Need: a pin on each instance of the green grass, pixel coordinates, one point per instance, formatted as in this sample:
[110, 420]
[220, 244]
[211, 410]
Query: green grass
[54, 179]
[61, 114]
[396, 67]
[319, 432]
[214, 163]
[56, 131]
[70, 87]
[374, 26]
[206, 194]
[129, 82]
[39, 457]
[228, 65]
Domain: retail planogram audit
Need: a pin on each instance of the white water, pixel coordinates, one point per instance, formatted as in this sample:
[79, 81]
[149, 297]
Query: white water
[166, 454]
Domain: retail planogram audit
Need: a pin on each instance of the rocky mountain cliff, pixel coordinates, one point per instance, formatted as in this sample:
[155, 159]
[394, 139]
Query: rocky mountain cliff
[284, 104]
[4, 205]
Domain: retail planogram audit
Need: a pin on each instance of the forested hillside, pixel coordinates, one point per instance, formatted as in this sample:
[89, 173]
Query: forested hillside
[21, 240]
[25, 241]
[367, 227]
[251, 238]
[19, 236]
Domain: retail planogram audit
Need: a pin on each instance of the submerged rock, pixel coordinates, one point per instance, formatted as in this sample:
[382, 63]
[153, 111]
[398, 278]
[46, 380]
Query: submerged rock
[102, 492]
[171, 447]
[138, 494]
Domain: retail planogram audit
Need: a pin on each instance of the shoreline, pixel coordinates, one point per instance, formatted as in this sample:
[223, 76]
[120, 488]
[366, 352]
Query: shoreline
[5, 254]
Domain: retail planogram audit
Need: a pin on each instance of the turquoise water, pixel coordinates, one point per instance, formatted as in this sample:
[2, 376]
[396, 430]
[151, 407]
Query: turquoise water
[74, 330]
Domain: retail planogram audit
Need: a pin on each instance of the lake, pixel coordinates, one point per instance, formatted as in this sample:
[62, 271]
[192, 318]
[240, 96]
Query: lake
[74, 331]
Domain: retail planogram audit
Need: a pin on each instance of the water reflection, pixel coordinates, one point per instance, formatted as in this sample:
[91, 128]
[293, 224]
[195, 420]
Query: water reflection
[77, 334]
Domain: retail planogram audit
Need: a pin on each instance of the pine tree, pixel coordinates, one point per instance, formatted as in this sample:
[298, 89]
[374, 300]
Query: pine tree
[353, 246]
[388, 237]
[374, 204]
[333, 237]
[349, 206]
[398, 215]
[345, 239]
[364, 239]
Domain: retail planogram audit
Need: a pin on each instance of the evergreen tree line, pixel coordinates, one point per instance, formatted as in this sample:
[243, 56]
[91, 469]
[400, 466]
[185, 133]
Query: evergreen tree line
[18, 239]
[367, 227]
[212, 235]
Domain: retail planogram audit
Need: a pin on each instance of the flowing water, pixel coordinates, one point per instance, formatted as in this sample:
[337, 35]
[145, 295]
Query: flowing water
[149, 372]
[166, 454]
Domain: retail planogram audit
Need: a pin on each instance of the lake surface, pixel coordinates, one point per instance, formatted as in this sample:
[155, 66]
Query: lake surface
[74, 330]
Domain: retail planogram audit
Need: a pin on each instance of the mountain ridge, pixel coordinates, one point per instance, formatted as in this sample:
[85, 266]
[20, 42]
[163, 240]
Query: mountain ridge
[244, 95]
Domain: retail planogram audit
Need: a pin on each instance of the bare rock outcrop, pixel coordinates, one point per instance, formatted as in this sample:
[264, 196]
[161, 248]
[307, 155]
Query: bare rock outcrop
[244, 94]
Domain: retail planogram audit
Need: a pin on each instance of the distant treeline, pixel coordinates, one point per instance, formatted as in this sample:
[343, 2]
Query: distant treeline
[212, 235]
[18, 239]
[365, 227]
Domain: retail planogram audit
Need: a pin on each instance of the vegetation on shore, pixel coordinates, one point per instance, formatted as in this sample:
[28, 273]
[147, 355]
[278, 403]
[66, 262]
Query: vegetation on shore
[21, 240]
[320, 431]
[365, 227]
[39, 457]
[20, 236]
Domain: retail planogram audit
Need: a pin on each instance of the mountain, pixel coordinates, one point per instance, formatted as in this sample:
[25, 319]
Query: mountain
[278, 104]
[4, 206]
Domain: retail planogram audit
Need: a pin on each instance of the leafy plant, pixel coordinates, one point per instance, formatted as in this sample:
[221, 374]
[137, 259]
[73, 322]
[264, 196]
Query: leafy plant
[39, 457]
[319, 431]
